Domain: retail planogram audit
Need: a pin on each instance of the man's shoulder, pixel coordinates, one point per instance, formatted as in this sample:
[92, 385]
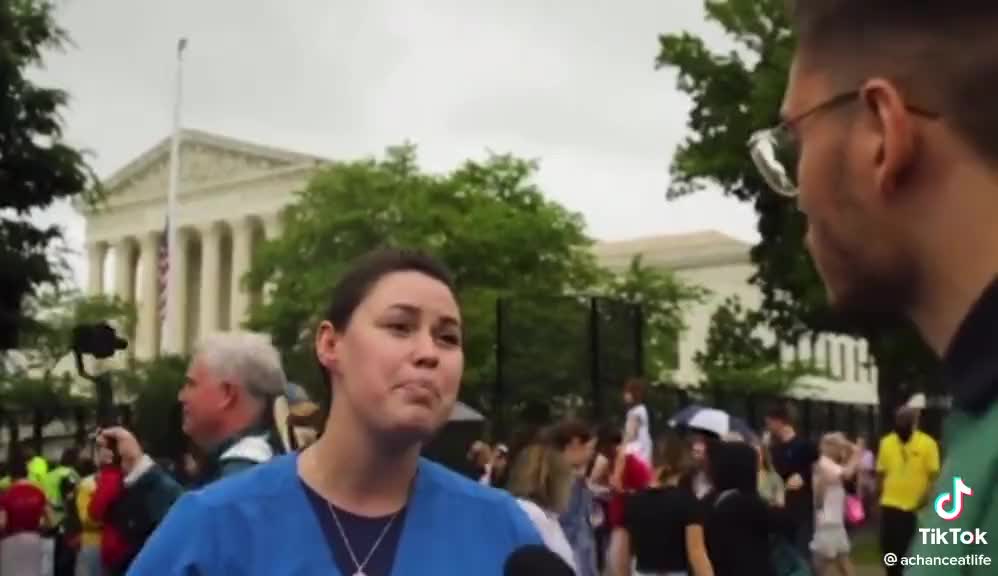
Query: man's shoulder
[924, 439]
[259, 481]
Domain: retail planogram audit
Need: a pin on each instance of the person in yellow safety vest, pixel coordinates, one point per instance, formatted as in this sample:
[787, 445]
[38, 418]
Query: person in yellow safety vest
[38, 467]
[60, 480]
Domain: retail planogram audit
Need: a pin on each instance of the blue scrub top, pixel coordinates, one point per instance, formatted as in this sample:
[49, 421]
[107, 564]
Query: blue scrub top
[261, 522]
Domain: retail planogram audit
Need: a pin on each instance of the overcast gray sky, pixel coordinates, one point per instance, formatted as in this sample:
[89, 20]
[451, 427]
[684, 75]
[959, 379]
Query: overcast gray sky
[569, 82]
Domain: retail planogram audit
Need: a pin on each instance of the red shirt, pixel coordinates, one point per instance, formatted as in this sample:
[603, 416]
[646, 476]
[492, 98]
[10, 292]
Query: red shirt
[24, 504]
[637, 476]
[114, 549]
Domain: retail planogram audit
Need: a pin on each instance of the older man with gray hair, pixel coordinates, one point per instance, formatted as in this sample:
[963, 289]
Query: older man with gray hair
[227, 396]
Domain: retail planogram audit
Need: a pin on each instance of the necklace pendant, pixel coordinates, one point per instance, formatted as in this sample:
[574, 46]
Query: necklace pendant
[359, 573]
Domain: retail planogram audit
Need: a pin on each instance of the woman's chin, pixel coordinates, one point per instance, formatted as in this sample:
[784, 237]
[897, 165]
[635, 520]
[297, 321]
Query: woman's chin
[419, 424]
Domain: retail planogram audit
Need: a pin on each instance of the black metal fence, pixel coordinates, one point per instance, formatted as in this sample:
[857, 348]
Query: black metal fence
[576, 350]
[812, 418]
[44, 429]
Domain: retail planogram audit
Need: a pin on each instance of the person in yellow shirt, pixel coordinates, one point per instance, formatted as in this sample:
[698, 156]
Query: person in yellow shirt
[907, 466]
[88, 561]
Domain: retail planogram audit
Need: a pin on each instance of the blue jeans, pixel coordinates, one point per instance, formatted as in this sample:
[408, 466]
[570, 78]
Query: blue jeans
[88, 562]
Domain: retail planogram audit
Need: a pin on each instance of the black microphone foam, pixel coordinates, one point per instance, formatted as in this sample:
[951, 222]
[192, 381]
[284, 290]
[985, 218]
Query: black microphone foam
[535, 560]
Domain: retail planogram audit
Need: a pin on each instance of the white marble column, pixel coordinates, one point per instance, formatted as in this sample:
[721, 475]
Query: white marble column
[176, 322]
[96, 253]
[273, 228]
[211, 252]
[147, 345]
[124, 270]
[242, 245]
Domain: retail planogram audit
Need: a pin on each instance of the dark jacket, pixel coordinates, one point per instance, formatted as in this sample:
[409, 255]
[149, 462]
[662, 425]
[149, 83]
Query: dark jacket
[146, 501]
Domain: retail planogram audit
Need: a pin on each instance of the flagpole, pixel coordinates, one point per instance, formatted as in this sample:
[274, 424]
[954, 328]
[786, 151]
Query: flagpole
[169, 343]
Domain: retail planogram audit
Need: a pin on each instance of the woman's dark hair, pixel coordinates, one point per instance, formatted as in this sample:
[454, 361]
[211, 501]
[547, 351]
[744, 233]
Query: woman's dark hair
[732, 466]
[366, 271]
[358, 280]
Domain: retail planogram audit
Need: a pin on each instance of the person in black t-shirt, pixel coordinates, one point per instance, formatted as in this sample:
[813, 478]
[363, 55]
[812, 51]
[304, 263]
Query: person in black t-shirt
[737, 523]
[793, 459]
[663, 527]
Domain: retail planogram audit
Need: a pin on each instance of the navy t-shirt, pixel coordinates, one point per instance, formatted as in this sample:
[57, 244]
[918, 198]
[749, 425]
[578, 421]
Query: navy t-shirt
[363, 532]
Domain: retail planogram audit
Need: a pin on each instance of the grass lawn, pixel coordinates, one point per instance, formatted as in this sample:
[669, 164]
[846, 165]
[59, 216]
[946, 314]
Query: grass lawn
[866, 548]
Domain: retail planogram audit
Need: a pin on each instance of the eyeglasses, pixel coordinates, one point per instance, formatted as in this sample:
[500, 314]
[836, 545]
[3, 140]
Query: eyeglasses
[775, 153]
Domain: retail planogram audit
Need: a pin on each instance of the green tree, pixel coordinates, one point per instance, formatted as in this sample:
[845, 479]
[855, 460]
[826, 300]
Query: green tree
[734, 93]
[36, 167]
[42, 372]
[664, 300]
[154, 386]
[739, 358]
[487, 220]
[503, 241]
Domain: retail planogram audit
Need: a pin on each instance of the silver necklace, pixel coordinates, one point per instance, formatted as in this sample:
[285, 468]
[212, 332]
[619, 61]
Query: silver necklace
[346, 541]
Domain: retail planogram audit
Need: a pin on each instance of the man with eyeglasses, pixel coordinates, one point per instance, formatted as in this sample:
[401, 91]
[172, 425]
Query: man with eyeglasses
[889, 143]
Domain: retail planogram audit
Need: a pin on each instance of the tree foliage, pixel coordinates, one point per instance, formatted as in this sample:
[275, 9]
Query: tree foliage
[739, 357]
[495, 230]
[664, 300]
[734, 93]
[36, 167]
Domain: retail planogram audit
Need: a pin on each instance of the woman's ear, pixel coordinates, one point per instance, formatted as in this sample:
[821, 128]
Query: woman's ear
[327, 346]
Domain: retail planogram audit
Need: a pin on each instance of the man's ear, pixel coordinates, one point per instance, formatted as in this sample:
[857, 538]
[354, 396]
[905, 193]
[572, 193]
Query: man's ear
[229, 393]
[894, 139]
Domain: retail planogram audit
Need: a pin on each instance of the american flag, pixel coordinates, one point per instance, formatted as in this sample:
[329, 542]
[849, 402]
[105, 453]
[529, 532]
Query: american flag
[164, 270]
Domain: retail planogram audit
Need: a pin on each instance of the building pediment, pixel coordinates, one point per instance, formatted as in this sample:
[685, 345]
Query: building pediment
[205, 160]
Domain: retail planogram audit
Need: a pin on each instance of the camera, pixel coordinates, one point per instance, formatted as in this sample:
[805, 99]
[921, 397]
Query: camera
[97, 340]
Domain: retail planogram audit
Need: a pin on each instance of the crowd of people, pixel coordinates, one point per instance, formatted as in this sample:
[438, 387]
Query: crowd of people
[708, 502]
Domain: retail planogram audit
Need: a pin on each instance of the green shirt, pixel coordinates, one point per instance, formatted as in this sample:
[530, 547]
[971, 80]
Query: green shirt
[972, 456]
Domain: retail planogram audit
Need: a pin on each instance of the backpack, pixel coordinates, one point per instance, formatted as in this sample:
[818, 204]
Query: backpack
[786, 560]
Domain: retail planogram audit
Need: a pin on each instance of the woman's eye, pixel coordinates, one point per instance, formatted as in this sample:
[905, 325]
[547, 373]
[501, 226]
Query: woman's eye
[450, 339]
[398, 327]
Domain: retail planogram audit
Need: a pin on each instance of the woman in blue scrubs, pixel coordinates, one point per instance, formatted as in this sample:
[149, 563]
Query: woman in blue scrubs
[360, 501]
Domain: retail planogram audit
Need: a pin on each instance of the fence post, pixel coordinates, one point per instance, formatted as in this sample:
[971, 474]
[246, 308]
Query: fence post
[594, 359]
[38, 426]
[806, 417]
[499, 387]
[80, 416]
[639, 340]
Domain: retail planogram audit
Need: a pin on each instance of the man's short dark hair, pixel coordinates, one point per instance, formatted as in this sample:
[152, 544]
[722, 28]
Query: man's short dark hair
[943, 54]
[780, 412]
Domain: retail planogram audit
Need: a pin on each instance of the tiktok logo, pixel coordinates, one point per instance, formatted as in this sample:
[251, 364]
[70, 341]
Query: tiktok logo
[949, 505]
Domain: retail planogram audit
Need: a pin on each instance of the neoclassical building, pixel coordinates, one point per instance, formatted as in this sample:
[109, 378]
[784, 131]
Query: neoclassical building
[229, 197]
[230, 194]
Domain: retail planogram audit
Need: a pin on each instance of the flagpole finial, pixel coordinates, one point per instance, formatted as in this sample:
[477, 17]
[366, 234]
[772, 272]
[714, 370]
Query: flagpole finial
[181, 45]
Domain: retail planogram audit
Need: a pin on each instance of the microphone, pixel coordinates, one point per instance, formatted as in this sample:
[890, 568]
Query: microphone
[535, 560]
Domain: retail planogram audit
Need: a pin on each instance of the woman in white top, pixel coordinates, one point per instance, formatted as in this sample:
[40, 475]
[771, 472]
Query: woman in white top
[838, 462]
[637, 430]
[541, 480]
